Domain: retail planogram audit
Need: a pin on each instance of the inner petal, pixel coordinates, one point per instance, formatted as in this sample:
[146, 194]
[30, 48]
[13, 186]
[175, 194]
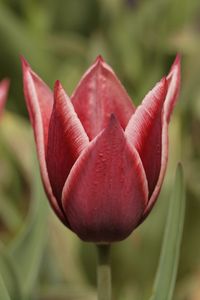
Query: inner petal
[99, 94]
[66, 140]
[144, 132]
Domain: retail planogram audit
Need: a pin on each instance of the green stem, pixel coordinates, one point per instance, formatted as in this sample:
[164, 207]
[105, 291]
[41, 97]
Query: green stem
[104, 285]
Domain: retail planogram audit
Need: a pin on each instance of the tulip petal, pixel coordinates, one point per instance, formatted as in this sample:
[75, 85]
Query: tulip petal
[144, 132]
[37, 96]
[99, 94]
[66, 140]
[173, 80]
[39, 101]
[106, 191]
[4, 86]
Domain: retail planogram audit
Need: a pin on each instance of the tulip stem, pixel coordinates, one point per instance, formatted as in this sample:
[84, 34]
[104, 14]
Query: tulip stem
[104, 286]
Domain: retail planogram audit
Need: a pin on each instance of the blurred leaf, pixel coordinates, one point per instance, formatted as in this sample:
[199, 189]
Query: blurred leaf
[66, 44]
[63, 292]
[167, 269]
[27, 248]
[16, 135]
[78, 16]
[3, 291]
[9, 275]
[18, 40]
[8, 213]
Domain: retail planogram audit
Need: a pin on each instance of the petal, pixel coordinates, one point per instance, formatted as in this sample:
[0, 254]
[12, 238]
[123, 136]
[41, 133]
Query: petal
[144, 132]
[173, 78]
[66, 140]
[99, 94]
[38, 96]
[4, 86]
[39, 101]
[106, 191]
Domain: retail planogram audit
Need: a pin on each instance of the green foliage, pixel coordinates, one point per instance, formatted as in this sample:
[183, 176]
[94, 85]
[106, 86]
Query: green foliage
[20, 261]
[167, 269]
[28, 246]
[3, 290]
[10, 280]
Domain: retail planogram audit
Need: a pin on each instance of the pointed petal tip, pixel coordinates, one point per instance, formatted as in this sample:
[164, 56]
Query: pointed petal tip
[60, 95]
[4, 87]
[163, 81]
[165, 84]
[112, 117]
[25, 64]
[177, 62]
[177, 59]
[5, 83]
[57, 91]
[57, 86]
[160, 89]
[99, 62]
[113, 125]
[99, 59]
[113, 121]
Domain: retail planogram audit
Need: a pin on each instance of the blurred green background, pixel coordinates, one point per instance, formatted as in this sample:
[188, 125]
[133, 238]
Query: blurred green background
[39, 258]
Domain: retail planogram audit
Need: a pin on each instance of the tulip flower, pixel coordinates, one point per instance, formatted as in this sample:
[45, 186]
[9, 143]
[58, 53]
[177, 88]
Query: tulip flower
[4, 85]
[102, 159]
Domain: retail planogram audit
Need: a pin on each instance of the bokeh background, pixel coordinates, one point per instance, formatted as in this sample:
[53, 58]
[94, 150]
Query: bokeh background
[39, 258]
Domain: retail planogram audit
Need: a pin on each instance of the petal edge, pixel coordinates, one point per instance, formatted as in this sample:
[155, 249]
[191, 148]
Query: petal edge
[39, 127]
[66, 140]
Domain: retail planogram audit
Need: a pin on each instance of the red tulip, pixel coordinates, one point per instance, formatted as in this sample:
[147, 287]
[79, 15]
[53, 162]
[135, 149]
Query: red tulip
[4, 85]
[102, 160]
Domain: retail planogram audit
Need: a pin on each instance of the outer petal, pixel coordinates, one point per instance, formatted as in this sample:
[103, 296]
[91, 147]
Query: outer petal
[66, 140]
[106, 191]
[99, 94]
[39, 101]
[37, 96]
[144, 132]
[4, 86]
[173, 79]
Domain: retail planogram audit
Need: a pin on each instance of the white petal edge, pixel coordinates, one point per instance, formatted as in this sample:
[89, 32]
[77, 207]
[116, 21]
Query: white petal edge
[171, 98]
[39, 136]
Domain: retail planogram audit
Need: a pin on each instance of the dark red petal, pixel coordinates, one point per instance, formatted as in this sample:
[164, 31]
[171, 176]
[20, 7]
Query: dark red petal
[39, 100]
[99, 94]
[66, 140]
[144, 132]
[106, 191]
[4, 86]
[173, 79]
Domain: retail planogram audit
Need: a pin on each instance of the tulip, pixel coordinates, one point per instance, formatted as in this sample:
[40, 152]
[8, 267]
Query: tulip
[102, 160]
[4, 85]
